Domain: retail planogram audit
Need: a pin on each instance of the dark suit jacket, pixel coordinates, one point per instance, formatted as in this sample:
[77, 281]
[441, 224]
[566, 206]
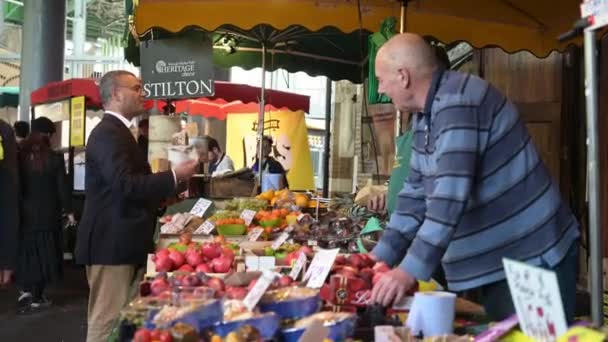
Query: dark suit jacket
[122, 196]
[9, 199]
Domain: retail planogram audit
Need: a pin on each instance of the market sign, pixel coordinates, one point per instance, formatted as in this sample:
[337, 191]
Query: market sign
[177, 68]
[77, 122]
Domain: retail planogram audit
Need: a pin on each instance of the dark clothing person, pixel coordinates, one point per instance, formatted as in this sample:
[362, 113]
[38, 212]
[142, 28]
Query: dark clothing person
[22, 130]
[9, 200]
[142, 142]
[45, 194]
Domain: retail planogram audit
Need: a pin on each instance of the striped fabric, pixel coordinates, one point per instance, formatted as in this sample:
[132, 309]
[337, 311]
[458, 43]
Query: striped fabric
[477, 191]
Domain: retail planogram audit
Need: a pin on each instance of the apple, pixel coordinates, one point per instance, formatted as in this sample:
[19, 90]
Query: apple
[194, 259]
[162, 252]
[186, 268]
[228, 252]
[177, 258]
[216, 284]
[285, 281]
[355, 260]
[155, 334]
[340, 260]
[205, 268]
[165, 336]
[159, 285]
[191, 280]
[142, 335]
[381, 267]
[211, 250]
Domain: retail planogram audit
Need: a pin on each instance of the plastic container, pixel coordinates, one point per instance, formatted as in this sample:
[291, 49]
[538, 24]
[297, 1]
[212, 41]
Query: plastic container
[339, 330]
[300, 302]
[232, 229]
[268, 324]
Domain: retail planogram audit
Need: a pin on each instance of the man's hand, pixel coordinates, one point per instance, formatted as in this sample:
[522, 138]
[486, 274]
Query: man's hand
[377, 204]
[5, 277]
[185, 170]
[392, 287]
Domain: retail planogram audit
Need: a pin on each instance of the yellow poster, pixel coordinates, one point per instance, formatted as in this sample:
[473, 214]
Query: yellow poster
[290, 136]
[77, 117]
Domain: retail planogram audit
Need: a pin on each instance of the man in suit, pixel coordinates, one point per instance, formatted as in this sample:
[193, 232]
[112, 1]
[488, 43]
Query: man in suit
[122, 196]
[9, 201]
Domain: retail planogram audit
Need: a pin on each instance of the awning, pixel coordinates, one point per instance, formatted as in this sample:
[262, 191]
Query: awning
[74, 87]
[513, 25]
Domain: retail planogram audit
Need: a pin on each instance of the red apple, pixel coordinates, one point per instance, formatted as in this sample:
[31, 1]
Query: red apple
[159, 285]
[211, 250]
[381, 267]
[191, 280]
[340, 260]
[194, 259]
[142, 335]
[285, 281]
[216, 284]
[355, 260]
[177, 258]
[205, 268]
[186, 268]
[228, 252]
[162, 252]
[155, 334]
[165, 336]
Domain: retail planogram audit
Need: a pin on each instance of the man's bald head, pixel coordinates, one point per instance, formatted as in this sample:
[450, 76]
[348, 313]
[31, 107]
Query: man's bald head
[410, 51]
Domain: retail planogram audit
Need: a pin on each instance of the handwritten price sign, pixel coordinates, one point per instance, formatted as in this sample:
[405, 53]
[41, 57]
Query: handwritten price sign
[295, 271]
[248, 216]
[206, 228]
[254, 234]
[200, 207]
[320, 266]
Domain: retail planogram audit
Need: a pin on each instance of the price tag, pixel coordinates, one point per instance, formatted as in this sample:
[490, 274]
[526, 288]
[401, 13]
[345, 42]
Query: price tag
[206, 228]
[300, 217]
[254, 234]
[200, 207]
[248, 216]
[295, 271]
[258, 290]
[290, 228]
[280, 240]
[320, 266]
[312, 243]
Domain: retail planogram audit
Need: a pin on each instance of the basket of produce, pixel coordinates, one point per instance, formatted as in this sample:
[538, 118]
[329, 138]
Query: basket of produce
[291, 302]
[236, 316]
[229, 223]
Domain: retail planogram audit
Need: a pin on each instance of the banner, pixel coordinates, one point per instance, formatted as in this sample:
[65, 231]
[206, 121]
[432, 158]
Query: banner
[290, 136]
[177, 68]
[77, 122]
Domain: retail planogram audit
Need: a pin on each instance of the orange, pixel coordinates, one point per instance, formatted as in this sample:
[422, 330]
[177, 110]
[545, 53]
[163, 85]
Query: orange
[302, 200]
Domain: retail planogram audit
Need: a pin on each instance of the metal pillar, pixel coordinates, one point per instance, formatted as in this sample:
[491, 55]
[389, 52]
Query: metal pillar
[261, 155]
[42, 50]
[79, 35]
[595, 232]
[327, 143]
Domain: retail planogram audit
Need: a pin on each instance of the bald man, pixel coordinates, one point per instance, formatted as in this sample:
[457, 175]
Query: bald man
[477, 191]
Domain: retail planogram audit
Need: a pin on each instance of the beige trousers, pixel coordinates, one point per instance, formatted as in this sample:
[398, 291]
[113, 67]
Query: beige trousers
[111, 287]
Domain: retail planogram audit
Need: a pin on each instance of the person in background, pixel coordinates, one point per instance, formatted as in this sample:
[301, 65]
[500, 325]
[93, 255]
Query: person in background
[45, 196]
[9, 203]
[219, 162]
[271, 165]
[122, 198]
[142, 138]
[22, 130]
[477, 191]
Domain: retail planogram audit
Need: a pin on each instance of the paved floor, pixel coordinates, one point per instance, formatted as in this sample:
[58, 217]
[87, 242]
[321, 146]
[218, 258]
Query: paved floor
[65, 321]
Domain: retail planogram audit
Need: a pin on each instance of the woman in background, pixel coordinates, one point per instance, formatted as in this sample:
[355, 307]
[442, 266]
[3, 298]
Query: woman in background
[45, 192]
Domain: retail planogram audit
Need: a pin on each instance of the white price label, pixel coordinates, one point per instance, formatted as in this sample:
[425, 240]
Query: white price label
[290, 228]
[248, 216]
[206, 228]
[320, 267]
[295, 271]
[312, 243]
[258, 290]
[280, 240]
[254, 234]
[200, 207]
[300, 217]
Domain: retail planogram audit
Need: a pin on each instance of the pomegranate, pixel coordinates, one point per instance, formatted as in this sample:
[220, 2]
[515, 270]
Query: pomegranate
[211, 250]
[191, 280]
[186, 268]
[205, 268]
[162, 253]
[163, 264]
[177, 258]
[228, 252]
[165, 336]
[340, 260]
[194, 259]
[221, 264]
[155, 334]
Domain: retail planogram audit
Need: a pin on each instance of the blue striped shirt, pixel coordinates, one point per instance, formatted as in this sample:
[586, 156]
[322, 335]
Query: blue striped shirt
[477, 191]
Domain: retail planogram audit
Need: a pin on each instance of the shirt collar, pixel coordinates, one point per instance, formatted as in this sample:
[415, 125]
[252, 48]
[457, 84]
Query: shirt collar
[128, 123]
[437, 74]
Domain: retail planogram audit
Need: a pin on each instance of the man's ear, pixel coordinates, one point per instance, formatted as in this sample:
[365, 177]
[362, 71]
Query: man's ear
[404, 77]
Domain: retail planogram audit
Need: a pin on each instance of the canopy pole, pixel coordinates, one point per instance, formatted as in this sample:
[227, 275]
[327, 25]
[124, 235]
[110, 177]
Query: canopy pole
[327, 142]
[595, 233]
[401, 30]
[261, 117]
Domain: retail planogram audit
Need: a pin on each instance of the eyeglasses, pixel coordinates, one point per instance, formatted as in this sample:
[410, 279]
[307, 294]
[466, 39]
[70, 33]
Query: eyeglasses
[136, 88]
